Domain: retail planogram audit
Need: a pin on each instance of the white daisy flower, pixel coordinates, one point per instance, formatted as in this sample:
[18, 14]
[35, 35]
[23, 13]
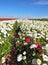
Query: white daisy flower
[19, 57]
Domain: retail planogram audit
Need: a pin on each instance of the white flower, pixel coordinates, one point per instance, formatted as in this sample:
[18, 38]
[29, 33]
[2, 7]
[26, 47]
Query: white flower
[24, 53]
[20, 37]
[0, 42]
[25, 43]
[2, 30]
[29, 35]
[42, 36]
[34, 54]
[3, 59]
[35, 35]
[42, 33]
[23, 38]
[8, 29]
[46, 49]
[19, 58]
[38, 34]
[5, 32]
[46, 38]
[46, 45]
[8, 34]
[32, 46]
[18, 41]
[44, 64]
[24, 57]
[19, 33]
[45, 57]
[43, 47]
[39, 61]
[4, 35]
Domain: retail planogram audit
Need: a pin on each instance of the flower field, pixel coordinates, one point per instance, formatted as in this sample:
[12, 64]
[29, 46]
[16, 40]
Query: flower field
[31, 39]
[5, 31]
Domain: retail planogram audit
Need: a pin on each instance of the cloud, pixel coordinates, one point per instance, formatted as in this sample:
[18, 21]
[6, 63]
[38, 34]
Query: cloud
[41, 2]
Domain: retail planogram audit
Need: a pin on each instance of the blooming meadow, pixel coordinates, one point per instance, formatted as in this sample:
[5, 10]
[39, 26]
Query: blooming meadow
[31, 39]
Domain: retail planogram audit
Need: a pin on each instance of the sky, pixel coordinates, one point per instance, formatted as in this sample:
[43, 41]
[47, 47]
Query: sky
[24, 8]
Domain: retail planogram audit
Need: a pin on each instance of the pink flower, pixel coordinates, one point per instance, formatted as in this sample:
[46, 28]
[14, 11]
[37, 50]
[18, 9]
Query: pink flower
[27, 40]
[38, 46]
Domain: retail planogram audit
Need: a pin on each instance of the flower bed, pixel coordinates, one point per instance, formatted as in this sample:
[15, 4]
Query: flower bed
[30, 43]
